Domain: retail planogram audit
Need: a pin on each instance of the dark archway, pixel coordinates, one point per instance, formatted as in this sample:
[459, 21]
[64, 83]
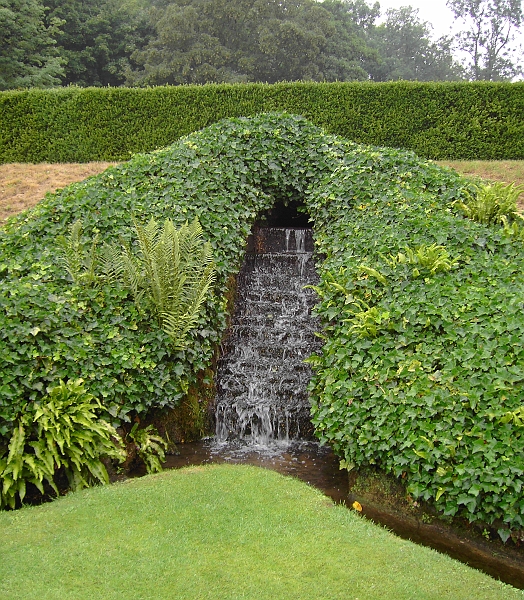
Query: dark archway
[289, 213]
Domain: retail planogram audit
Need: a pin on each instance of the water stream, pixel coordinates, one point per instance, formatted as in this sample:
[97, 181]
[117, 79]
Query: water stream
[261, 377]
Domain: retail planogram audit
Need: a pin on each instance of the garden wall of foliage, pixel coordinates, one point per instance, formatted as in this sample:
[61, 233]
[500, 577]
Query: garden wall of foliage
[436, 120]
[422, 369]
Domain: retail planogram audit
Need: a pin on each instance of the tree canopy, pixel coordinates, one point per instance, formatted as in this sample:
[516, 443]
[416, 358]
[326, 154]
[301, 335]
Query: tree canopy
[157, 42]
[489, 37]
[97, 37]
[407, 51]
[27, 46]
[244, 40]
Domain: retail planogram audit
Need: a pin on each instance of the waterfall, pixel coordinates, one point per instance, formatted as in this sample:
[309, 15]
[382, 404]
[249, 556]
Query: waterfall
[261, 377]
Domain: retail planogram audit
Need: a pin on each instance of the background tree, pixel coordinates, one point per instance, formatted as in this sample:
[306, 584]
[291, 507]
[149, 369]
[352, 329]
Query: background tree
[489, 38]
[408, 52]
[186, 47]
[245, 40]
[350, 53]
[98, 37]
[28, 57]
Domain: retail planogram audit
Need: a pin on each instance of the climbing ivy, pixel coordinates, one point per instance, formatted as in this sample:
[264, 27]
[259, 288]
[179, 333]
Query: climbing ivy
[423, 358]
[422, 307]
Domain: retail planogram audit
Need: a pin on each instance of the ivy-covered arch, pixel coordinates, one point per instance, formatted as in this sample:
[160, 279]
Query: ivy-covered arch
[422, 308]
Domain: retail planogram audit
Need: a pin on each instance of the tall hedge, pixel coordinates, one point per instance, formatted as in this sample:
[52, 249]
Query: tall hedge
[436, 120]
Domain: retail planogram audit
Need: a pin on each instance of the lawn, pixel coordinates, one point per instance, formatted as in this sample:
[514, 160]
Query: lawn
[220, 531]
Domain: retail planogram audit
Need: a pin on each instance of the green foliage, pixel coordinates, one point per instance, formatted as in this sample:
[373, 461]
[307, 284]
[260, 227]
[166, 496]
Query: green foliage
[422, 308]
[97, 38]
[173, 272]
[150, 446]
[408, 52]
[79, 261]
[218, 41]
[515, 417]
[27, 54]
[415, 397]
[436, 120]
[426, 259]
[492, 203]
[63, 431]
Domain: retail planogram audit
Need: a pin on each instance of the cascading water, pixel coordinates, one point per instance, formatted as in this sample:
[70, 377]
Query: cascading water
[262, 378]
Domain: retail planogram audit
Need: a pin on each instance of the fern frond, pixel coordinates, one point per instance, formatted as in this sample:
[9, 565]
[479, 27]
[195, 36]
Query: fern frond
[132, 274]
[110, 263]
[72, 251]
[184, 314]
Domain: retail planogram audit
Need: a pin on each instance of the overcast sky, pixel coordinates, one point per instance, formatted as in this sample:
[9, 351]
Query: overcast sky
[434, 11]
[439, 15]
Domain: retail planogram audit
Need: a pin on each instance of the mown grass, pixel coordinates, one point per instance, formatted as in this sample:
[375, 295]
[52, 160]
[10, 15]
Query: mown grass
[220, 531]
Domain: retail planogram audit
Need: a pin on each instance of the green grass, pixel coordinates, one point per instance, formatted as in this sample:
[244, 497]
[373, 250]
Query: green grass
[222, 532]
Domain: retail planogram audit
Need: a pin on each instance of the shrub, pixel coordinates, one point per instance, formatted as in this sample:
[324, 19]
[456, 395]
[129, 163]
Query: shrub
[438, 120]
[172, 273]
[495, 203]
[150, 446]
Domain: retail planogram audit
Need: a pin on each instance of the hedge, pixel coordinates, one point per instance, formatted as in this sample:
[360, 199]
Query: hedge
[422, 369]
[436, 120]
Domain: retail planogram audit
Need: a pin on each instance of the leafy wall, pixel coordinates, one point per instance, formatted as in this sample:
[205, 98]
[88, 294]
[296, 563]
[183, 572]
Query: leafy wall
[423, 357]
[479, 121]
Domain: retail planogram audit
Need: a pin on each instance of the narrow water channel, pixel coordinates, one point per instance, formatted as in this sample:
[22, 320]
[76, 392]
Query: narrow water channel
[319, 467]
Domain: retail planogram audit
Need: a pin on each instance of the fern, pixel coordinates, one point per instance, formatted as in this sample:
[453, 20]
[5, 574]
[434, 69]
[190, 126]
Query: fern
[368, 322]
[110, 263]
[178, 273]
[150, 446]
[63, 431]
[432, 259]
[172, 273]
[492, 203]
[79, 260]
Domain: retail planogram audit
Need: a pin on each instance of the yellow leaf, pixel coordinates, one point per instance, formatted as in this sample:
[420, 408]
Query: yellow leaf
[357, 506]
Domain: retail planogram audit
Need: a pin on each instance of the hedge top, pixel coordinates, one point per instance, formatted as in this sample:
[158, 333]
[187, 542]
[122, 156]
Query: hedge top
[445, 120]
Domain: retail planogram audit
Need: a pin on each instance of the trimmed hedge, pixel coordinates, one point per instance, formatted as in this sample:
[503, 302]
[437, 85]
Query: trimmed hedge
[422, 370]
[436, 120]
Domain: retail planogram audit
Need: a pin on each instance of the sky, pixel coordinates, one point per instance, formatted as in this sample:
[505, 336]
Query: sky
[437, 13]
[434, 11]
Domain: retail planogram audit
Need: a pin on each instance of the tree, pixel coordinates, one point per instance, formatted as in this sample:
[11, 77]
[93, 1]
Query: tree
[357, 13]
[489, 38]
[201, 41]
[407, 51]
[350, 54]
[185, 48]
[97, 38]
[27, 48]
